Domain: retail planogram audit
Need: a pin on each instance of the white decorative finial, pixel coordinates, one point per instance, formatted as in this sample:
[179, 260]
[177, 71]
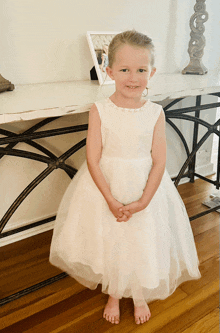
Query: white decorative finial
[197, 41]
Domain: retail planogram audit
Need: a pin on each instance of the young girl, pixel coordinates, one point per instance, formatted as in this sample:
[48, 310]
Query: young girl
[122, 222]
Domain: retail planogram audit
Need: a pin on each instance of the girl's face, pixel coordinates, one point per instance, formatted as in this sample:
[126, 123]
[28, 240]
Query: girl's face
[131, 71]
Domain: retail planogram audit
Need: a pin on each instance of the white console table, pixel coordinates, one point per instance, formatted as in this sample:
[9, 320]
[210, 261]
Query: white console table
[34, 101]
[49, 101]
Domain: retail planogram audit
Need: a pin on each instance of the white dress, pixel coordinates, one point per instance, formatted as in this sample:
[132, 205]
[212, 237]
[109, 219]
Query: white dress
[145, 258]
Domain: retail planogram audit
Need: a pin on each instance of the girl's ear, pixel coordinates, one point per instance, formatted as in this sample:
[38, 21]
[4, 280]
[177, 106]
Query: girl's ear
[153, 71]
[109, 72]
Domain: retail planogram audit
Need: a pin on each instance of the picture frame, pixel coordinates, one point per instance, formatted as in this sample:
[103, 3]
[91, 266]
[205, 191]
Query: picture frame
[98, 44]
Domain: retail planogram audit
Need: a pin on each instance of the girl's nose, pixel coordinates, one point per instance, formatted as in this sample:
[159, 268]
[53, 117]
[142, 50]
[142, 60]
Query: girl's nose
[133, 76]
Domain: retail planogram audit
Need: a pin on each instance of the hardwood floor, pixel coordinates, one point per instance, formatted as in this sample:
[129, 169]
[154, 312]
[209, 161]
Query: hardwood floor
[66, 306]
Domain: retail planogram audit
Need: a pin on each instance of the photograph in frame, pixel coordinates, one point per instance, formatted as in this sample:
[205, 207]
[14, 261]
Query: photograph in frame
[98, 44]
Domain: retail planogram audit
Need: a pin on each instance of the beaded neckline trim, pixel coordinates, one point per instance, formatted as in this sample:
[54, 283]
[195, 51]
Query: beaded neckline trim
[127, 109]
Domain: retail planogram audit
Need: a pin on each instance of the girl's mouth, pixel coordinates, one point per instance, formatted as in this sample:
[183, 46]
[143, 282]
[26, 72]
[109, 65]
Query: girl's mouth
[132, 87]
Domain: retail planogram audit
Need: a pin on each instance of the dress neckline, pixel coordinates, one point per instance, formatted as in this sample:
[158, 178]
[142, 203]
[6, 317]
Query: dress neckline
[127, 109]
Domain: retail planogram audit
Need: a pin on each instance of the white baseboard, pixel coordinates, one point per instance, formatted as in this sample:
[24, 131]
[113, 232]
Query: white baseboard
[206, 170]
[26, 233]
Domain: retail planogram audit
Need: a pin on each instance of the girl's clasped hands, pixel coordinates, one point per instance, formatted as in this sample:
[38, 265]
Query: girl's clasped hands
[124, 212]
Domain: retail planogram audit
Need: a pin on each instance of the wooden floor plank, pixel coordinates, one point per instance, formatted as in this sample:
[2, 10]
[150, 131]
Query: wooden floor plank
[207, 249]
[207, 324]
[205, 223]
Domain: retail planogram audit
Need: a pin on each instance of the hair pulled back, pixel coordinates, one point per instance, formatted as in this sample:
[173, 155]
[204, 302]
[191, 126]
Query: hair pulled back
[133, 38]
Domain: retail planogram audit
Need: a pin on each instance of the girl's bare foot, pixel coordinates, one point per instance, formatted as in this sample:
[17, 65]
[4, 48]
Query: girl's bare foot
[111, 312]
[141, 314]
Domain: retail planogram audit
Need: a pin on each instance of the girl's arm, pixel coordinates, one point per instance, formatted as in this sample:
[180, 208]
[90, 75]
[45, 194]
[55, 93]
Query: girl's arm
[159, 163]
[93, 154]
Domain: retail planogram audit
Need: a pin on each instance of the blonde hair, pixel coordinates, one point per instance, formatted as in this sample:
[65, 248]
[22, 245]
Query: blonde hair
[133, 38]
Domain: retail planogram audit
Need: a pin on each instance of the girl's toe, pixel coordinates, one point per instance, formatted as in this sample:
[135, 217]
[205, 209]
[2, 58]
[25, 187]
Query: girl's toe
[137, 320]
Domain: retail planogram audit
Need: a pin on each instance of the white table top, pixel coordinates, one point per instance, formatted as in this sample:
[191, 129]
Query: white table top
[33, 101]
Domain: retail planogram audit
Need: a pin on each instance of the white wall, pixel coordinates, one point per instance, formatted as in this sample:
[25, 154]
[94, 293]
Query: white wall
[44, 41]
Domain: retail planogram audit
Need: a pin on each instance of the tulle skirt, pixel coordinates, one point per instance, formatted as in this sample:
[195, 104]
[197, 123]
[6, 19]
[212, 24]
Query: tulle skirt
[146, 258]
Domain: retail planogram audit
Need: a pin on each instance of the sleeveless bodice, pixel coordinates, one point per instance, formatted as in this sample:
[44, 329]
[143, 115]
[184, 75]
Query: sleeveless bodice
[127, 133]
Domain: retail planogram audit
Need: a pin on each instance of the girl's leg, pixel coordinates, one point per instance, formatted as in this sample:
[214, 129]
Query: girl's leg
[142, 313]
[111, 312]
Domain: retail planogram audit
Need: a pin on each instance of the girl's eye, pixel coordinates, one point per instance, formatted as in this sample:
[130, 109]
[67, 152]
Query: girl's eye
[124, 70]
[142, 70]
